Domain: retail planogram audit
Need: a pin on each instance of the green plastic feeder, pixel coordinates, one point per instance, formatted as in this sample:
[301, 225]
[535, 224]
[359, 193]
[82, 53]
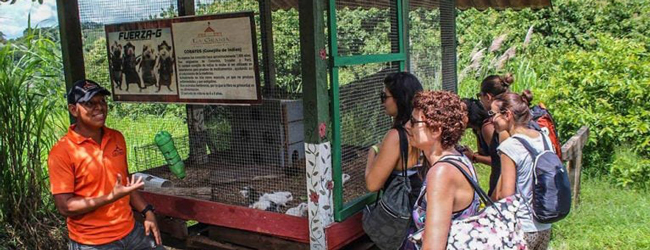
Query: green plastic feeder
[166, 145]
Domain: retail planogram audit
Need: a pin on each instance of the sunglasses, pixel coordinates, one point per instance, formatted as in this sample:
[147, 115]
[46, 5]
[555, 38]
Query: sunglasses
[383, 96]
[492, 113]
[415, 121]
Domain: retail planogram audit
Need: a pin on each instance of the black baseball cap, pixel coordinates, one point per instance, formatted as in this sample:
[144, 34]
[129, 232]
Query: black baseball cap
[84, 90]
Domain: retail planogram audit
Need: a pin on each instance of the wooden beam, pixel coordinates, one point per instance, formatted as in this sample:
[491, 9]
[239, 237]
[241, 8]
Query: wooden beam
[340, 234]
[314, 68]
[575, 144]
[195, 113]
[572, 154]
[185, 7]
[406, 9]
[202, 242]
[448, 44]
[174, 227]
[316, 118]
[71, 43]
[197, 193]
[253, 240]
[268, 48]
[219, 214]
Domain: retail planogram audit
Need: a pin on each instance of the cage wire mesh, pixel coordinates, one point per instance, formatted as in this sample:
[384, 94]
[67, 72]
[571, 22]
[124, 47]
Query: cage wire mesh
[249, 150]
[363, 28]
[425, 51]
[366, 27]
[139, 122]
[363, 121]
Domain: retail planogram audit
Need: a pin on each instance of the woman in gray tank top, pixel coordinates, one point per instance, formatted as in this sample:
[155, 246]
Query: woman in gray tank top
[510, 113]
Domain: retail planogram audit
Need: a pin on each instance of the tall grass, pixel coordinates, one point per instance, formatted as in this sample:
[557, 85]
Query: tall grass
[28, 73]
[494, 60]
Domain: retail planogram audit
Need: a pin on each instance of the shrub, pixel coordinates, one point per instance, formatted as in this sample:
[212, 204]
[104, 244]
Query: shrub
[630, 170]
[27, 74]
[607, 89]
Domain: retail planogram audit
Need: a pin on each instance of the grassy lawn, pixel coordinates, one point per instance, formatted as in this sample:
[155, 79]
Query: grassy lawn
[607, 217]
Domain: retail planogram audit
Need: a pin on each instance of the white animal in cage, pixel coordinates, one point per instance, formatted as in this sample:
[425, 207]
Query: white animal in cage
[300, 210]
[279, 198]
[265, 205]
[346, 177]
[267, 201]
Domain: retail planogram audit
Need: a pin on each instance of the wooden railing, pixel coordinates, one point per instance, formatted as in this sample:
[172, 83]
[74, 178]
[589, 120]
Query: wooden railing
[572, 154]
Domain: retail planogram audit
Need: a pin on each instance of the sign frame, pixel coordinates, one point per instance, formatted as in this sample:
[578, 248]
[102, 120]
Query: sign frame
[168, 23]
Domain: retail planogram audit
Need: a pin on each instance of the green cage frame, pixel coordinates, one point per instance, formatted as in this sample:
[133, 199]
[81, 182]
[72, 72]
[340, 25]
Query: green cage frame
[341, 210]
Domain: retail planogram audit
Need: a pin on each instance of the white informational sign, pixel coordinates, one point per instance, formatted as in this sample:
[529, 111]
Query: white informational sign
[202, 59]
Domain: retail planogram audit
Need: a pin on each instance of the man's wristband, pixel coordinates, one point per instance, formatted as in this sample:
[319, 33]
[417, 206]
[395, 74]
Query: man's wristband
[147, 209]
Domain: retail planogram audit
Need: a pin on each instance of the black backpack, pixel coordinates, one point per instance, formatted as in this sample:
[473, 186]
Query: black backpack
[551, 187]
[387, 221]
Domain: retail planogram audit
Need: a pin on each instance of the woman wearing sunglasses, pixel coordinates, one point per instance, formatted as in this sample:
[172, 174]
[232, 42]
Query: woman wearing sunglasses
[510, 113]
[487, 138]
[384, 160]
[437, 124]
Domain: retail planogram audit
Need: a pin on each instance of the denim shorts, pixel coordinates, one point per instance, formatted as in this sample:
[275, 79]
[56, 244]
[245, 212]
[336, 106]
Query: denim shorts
[135, 240]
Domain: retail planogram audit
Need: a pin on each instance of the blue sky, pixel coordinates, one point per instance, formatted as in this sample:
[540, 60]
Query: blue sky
[13, 18]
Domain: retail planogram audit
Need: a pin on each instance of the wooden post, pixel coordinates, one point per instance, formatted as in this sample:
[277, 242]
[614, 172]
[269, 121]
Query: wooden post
[316, 115]
[195, 113]
[572, 153]
[185, 7]
[448, 43]
[268, 57]
[71, 44]
[406, 8]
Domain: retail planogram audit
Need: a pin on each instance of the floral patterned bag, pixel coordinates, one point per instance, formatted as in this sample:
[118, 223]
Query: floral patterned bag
[497, 226]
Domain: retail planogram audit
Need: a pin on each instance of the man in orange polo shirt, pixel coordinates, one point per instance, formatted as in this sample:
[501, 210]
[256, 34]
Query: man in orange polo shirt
[89, 180]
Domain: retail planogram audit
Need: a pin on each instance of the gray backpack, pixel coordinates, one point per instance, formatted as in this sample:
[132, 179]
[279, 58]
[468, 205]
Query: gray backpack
[387, 221]
[551, 188]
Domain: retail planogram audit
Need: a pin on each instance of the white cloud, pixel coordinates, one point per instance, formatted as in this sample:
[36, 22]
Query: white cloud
[13, 17]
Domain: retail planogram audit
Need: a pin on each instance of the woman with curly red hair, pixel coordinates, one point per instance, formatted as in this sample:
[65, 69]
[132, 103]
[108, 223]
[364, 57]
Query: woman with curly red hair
[437, 124]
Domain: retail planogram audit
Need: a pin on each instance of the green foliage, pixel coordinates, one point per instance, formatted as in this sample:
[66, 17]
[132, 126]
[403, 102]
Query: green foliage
[607, 89]
[630, 170]
[425, 50]
[587, 61]
[27, 80]
[140, 131]
[607, 217]
[287, 50]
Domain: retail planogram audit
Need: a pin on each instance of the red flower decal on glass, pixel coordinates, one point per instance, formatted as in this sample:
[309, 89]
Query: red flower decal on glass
[313, 197]
[330, 185]
[323, 54]
[322, 130]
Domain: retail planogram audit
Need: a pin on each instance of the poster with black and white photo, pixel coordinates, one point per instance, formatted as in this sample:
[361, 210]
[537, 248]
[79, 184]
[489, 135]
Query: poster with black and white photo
[199, 59]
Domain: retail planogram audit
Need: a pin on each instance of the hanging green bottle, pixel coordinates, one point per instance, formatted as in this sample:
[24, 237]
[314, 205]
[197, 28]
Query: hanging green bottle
[165, 143]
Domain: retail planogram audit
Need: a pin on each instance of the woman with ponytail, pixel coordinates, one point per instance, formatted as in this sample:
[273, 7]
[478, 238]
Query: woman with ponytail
[510, 113]
[487, 138]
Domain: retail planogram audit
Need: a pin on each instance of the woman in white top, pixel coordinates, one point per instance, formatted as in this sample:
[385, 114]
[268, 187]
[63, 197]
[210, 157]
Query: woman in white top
[510, 113]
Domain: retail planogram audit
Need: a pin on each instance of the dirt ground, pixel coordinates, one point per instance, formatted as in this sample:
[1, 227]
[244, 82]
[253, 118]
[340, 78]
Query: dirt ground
[227, 180]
